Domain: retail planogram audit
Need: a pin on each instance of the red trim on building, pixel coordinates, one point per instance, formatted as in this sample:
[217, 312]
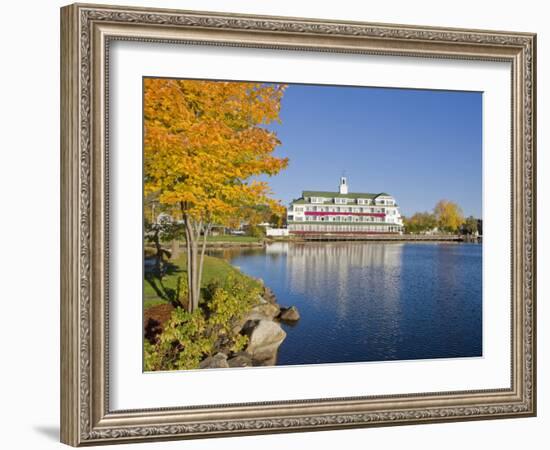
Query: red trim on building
[331, 213]
[343, 232]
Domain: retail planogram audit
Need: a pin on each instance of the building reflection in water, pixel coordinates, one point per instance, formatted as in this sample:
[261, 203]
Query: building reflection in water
[350, 271]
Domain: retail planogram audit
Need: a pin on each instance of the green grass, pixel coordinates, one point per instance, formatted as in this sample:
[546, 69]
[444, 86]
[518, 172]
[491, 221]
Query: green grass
[232, 238]
[214, 269]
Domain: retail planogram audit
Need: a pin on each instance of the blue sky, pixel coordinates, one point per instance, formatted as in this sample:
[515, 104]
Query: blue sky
[418, 145]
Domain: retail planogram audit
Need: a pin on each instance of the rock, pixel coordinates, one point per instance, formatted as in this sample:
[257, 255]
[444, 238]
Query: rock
[290, 314]
[267, 311]
[241, 359]
[248, 327]
[269, 295]
[272, 361]
[265, 337]
[262, 311]
[219, 360]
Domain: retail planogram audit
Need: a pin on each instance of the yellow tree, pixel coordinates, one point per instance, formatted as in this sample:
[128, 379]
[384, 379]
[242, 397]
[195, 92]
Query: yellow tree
[205, 144]
[448, 215]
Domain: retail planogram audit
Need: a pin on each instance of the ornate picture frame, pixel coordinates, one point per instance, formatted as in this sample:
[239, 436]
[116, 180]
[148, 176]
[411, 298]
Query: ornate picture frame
[87, 32]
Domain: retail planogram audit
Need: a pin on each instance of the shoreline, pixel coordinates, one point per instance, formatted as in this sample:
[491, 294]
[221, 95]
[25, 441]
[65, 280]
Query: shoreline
[347, 238]
[320, 238]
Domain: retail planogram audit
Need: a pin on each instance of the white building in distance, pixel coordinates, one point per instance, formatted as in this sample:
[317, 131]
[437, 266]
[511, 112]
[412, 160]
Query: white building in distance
[320, 212]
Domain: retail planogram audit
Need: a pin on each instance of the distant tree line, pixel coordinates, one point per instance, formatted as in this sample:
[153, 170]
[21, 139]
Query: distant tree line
[446, 217]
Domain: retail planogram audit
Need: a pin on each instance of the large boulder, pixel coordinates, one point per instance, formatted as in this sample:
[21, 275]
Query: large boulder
[241, 359]
[263, 311]
[265, 337]
[269, 295]
[218, 361]
[289, 314]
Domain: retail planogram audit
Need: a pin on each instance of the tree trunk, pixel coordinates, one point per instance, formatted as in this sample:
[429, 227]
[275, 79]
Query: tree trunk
[192, 269]
[158, 257]
[188, 249]
[203, 250]
[195, 257]
[195, 286]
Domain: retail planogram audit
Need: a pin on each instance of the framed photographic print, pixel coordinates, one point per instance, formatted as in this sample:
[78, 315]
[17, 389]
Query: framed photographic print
[275, 224]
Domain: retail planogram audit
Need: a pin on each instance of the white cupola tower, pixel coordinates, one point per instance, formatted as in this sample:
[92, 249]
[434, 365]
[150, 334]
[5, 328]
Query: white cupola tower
[343, 185]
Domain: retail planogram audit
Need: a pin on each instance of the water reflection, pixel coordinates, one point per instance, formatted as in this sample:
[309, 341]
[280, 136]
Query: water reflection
[346, 271]
[373, 301]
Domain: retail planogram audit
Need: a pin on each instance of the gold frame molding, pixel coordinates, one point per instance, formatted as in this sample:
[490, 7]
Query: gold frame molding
[86, 31]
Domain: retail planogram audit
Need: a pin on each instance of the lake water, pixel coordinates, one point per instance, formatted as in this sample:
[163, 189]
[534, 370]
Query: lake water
[373, 301]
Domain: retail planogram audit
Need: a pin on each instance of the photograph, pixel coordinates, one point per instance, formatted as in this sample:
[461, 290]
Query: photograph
[294, 224]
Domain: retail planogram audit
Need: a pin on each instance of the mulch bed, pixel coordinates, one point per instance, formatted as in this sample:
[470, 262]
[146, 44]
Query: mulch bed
[154, 318]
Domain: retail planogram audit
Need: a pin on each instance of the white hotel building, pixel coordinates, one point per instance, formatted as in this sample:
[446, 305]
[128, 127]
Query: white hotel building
[344, 212]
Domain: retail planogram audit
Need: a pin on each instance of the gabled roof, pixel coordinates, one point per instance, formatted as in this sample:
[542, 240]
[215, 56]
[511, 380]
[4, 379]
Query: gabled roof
[328, 194]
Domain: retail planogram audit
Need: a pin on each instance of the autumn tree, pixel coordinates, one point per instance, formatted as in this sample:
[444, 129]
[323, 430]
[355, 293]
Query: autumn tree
[470, 225]
[205, 145]
[158, 227]
[448, 215]
[278, 218]
[419, 222]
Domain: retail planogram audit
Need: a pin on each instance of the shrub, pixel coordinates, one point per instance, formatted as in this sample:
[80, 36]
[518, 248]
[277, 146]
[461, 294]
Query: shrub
[188, 338]
[256, 231]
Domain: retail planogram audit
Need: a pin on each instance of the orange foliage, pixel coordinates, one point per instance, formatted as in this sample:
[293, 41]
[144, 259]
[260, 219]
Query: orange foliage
[205, 143]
